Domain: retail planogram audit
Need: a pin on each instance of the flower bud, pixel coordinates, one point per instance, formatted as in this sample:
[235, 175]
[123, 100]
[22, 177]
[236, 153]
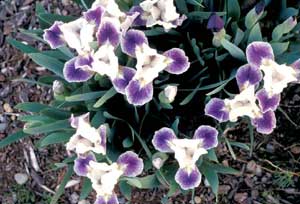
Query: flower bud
[168, 94]
[158, 159]
[215, 23]
[157, 163]
[58, 87]
[254, 14]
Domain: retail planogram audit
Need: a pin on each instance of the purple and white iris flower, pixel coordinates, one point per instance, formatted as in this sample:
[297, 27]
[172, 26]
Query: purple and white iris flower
[87, 138]
[187, 152]
[158, 12]
[259, 105]
[149, 64]
[276, 77]
[105, 176]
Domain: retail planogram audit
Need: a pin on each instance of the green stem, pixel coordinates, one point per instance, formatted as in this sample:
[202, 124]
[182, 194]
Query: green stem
[193, 196]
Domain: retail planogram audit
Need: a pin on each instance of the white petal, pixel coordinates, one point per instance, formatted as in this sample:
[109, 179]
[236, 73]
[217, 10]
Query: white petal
[187, 151]
[277, 77]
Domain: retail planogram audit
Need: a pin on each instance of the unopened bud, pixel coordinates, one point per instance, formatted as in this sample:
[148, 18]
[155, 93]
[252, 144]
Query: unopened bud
[157, 163]
[168, 94]
[158, 159]
[58, 87]
[215, 23]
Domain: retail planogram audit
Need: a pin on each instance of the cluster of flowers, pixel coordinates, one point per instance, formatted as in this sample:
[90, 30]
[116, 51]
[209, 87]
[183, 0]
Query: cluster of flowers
[256, 100]
[96, 35]
[88, 140]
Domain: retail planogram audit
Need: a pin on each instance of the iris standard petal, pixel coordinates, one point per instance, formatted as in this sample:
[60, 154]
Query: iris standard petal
[74, 74]
[108, 33]
[188, 180]
[131, 40]
[179, 61]
[139, 21]
[131, 164]
[81, 164]
[257, 51]
[74, 120]
[248, 75]
[53, 35]
[162, 138]
[266, 123]
[267, 102]
[138, 94]
[208, 136]
[122, 80]
[94, 15]
[216, 108]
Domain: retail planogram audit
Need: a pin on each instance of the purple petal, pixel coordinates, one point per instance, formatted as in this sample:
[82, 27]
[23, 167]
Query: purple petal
[208, 135]
[103, 135]
[179, 61]
[266, 123]
[131, 40]
[188, 180]
[215, 23]
[161, 139]
[216, 108]
[53, 35]
[256, 52]
[138, 21]
[81, 164]
[296, 66]
[132, 164]
[111, 200]
[137, 94]
[267, 102]
[248, 75]
[94, 15]
[84, 62]
[73, 74]
[259, 7]
[74, 120]
[123, 79]
[108, 33]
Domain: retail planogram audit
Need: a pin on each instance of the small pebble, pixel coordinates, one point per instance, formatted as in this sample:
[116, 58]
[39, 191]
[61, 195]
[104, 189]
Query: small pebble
[295, 150]
[21, 178]
[84, 202]
[224, 189]
[251, 166]
[7, 108]
[3, 126]
[240, 197]
[197, 199]
[270, 148]
[74, 198]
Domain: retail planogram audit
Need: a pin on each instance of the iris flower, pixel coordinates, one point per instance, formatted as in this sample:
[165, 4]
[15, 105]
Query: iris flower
[86, 137]
[158, 12]
[105, 176]
[149, 64]
[187, 152]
